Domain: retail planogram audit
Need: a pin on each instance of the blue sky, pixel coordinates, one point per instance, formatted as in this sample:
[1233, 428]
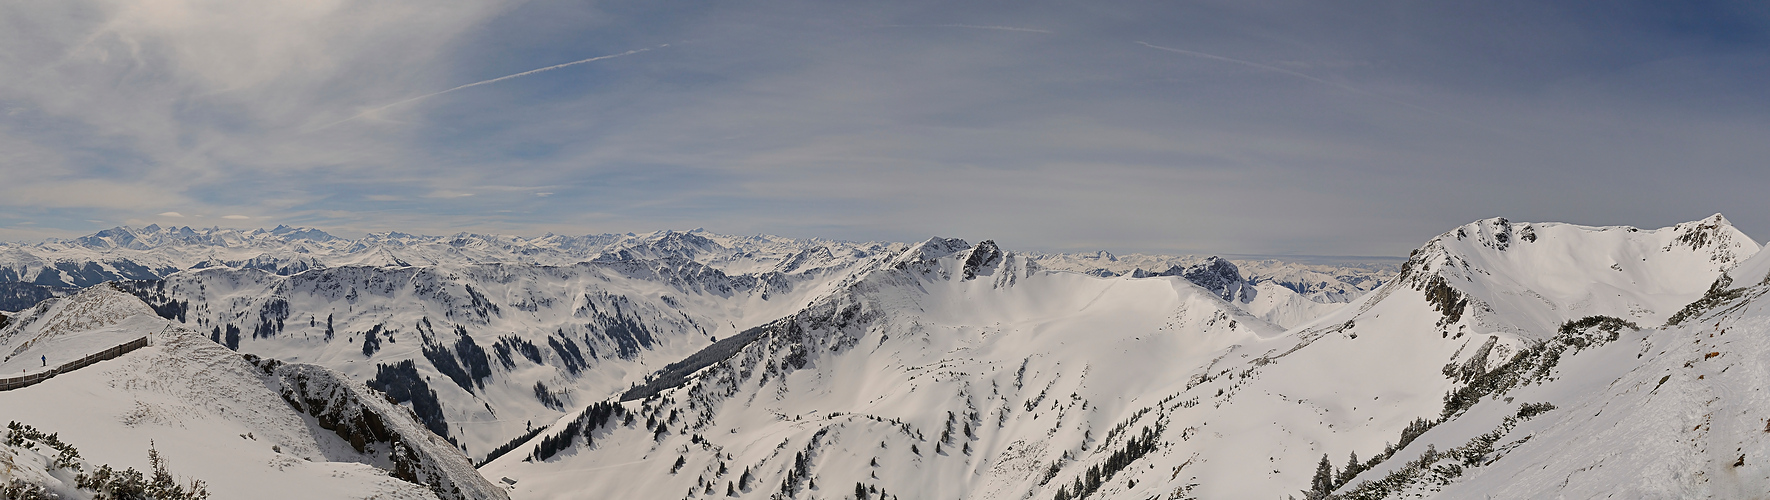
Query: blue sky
[1350, 128]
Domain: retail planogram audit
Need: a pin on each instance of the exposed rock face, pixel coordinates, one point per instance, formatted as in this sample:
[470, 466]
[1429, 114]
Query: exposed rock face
[1217, 275]
[376, 427]
[982, 259]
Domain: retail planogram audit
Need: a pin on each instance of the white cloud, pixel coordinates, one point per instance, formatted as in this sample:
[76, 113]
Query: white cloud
[171, 214]
[235, 217]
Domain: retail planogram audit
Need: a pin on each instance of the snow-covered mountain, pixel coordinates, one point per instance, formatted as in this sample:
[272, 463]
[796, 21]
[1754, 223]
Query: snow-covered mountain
[247, 430]
[521, 328]
[482, 351]
[917, 378]
[1340, 281]
[955, 370]
[689, 364]
[1282, 292]
[1651, 400]
[1286, 292]
[153, 252]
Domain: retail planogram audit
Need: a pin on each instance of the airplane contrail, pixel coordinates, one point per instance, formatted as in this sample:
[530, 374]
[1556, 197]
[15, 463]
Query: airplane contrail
[1253, 65]
[1304, 76]
[971, 26]
[494, 80]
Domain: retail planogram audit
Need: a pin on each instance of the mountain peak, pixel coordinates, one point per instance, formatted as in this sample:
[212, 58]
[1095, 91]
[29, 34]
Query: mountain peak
[1714, 231]
[981, 259]
[1216, 274]
[1497, 233]
[931, 249]
[1548, 273]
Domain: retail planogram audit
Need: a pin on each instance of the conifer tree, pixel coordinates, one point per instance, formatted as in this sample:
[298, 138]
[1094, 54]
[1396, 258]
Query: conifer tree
[1353, 467]
[1323, 483]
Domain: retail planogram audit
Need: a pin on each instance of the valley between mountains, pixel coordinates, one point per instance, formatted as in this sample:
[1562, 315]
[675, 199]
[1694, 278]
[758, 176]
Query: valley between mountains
[1500, 359]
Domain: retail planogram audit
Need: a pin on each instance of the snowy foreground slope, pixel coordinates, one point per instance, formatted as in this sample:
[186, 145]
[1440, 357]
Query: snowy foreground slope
[266, 430]
[960, 371]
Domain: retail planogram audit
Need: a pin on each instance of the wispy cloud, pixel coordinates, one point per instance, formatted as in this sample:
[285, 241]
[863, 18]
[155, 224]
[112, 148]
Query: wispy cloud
[1256, 65]
[972, 26]
[171, 214]
[377, 109]
[1308, 77]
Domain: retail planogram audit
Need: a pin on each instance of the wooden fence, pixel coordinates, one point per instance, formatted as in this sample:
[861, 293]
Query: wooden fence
[7, 384]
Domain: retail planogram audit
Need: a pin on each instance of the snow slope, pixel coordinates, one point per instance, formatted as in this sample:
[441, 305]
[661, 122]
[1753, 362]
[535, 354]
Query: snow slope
[1672, 411]
[1284, 307]
[1284, 293]
[216, 417]
[1326, 280]
[937, 367]
[944, 374]
[63, 330]
[1543, 274]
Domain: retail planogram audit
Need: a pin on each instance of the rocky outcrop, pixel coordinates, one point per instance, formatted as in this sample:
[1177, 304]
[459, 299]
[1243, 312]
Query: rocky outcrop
[375, 426]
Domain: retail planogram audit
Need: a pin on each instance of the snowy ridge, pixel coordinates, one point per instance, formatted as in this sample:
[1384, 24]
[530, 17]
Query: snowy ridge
[1542, 275]
[1328, 283]
[1673, 411]
[83, 323]
[917, 381]
[385, 435]
[153, 252]
[1285, 293]
[214, 417]
[1501, 296]
[1283, 306]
